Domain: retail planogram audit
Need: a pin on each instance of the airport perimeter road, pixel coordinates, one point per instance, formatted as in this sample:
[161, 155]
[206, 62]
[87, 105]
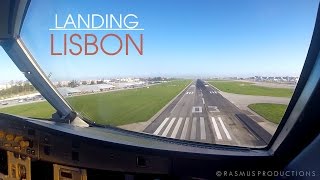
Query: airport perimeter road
[202, 114]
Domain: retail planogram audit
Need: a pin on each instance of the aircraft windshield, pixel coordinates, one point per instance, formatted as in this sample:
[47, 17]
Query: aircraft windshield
[207, 71]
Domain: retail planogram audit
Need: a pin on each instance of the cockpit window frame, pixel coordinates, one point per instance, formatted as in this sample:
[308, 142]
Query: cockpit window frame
[24, 60]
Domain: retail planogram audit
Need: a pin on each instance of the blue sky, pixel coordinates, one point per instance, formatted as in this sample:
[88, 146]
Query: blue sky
[181, 38]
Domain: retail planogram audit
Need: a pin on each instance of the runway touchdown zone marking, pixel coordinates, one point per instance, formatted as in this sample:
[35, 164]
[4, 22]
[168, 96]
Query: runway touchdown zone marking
[196, 109]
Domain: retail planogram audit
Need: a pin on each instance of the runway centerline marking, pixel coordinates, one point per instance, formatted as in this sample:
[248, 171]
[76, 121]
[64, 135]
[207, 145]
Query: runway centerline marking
[165, 132]
[185, 129]
[216, 129]
[176, 128]
[203, 101]
[224, 128]
[161, 126]
[202, 129]
[193, 128]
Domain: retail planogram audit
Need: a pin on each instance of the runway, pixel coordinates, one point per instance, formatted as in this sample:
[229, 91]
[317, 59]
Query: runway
[201, 114]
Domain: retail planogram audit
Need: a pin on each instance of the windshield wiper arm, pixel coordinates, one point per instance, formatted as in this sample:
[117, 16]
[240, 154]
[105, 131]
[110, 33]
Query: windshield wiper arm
[10, 40]
[23, 59]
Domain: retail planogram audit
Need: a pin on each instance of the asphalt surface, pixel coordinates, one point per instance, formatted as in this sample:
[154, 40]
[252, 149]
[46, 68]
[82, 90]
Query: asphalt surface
[201, 114]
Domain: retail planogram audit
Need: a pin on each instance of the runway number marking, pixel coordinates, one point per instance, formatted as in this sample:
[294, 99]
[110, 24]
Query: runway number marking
[213, 109]
[161, 126]
[165, 132]
[185, 129]
[213, 92]
[224, 128]
[189, 92]
[202, 129]
[193, 128]
[176, 128]
[216, 129]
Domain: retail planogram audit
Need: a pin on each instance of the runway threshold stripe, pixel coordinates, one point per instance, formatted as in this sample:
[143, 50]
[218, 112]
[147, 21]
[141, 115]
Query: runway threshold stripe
[161, 126]
[216, 129]
[224, 128]
[193, 128]
[185, 129]
[165, 132]
[202, 129]
[176, 128]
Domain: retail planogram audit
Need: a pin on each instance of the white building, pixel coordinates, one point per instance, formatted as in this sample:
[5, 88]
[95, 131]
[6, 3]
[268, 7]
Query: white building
[95, 88]
[67, 91]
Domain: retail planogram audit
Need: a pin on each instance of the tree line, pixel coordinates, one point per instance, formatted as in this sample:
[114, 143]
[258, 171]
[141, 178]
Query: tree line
[17, 89]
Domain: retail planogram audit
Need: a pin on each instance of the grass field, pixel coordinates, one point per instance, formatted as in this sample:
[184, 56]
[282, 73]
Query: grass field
[36, 110]
[246, 88]
[271, 112]
[113, 108]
